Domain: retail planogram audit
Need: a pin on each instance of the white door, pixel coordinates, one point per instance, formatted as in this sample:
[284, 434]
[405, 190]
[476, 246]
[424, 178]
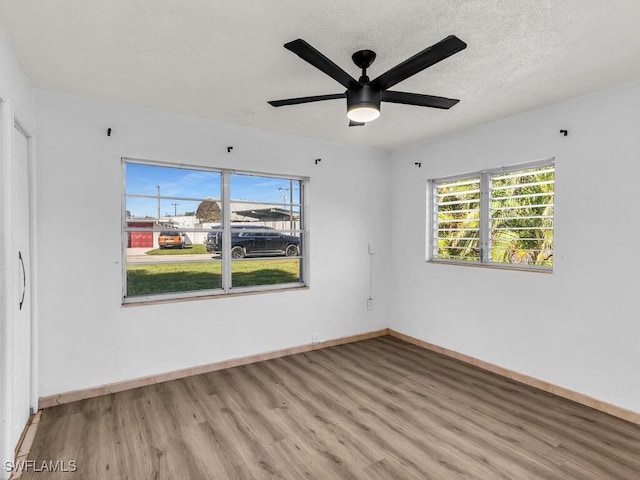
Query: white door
[3, 305]
[20, 301]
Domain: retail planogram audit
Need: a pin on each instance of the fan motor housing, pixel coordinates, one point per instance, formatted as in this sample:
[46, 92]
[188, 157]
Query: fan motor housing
[367, 96]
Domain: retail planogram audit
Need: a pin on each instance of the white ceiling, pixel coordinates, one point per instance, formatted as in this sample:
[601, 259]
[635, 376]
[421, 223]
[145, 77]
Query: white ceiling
[224, 60]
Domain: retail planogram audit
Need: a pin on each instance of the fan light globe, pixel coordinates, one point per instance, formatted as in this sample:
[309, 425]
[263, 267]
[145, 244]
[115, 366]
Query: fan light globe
[363, 114]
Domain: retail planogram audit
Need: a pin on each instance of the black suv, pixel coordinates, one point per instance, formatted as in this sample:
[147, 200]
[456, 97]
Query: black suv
[257, 240]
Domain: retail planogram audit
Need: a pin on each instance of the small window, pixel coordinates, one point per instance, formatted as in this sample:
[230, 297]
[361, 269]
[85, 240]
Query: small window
[499, 217]
[198, 232]
[457, 222]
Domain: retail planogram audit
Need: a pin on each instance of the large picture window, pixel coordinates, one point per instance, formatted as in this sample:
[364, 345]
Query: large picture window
[501, 217]
[197, 232]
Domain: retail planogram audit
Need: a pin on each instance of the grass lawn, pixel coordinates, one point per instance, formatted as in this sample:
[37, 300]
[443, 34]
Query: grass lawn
[154, 278]
[190, 250]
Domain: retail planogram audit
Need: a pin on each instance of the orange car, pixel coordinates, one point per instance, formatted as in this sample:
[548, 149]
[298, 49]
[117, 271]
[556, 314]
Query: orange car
[171, 239]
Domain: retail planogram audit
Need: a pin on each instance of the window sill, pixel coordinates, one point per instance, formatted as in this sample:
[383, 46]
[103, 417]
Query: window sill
[494, 266]
[161, 300]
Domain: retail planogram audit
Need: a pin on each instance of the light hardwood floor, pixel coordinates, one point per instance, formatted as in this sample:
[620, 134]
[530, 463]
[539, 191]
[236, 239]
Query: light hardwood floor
[375, 409]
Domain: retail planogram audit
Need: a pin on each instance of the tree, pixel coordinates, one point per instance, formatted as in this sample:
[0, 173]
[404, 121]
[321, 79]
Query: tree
[522, 217]
[209, 211]
[459, 220]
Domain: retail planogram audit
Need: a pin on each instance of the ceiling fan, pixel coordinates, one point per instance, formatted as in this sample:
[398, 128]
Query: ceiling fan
[364, 95]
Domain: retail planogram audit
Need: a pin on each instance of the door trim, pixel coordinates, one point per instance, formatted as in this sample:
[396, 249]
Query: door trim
[32, 273]
[10, 120]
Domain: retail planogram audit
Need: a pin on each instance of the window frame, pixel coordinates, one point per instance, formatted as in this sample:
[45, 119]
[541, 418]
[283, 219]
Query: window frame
[226, 227]
[484, 241]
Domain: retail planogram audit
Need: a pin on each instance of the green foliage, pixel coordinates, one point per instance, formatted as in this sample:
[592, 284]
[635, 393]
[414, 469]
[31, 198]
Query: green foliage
[522, 217]
[459, 220]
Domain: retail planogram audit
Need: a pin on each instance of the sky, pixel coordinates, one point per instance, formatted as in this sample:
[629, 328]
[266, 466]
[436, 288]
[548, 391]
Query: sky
[174, 182]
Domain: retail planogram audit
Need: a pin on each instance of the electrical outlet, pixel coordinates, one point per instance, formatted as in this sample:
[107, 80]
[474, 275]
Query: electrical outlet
[314, 338]
[370, 304]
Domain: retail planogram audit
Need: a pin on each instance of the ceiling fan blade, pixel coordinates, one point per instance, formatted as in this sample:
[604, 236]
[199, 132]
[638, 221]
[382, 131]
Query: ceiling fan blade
[355, 124]
[296, 101]
[418, 99]
[322, 63]
[427, 57]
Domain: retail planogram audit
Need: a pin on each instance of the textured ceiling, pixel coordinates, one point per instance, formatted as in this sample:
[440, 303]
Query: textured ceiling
[224, 60]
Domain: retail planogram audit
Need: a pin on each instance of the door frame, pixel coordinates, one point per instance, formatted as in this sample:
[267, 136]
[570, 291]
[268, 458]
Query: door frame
[8, 121]
[30, 137]
[3, 302]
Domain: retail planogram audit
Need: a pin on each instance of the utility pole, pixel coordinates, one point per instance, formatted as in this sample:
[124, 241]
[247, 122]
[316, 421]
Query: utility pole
[291, 206]
[175, 209]
[284, 201]
[283, 195]
[158, 189]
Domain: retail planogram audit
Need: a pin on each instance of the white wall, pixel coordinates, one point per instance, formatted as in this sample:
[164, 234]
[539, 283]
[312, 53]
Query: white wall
[578, 327]
[87, 338]
[15, 85]
[16, 104]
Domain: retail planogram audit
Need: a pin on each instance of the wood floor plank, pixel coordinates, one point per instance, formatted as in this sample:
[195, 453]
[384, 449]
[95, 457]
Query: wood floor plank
[444, 440]
[376, 409]
[585, 434]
